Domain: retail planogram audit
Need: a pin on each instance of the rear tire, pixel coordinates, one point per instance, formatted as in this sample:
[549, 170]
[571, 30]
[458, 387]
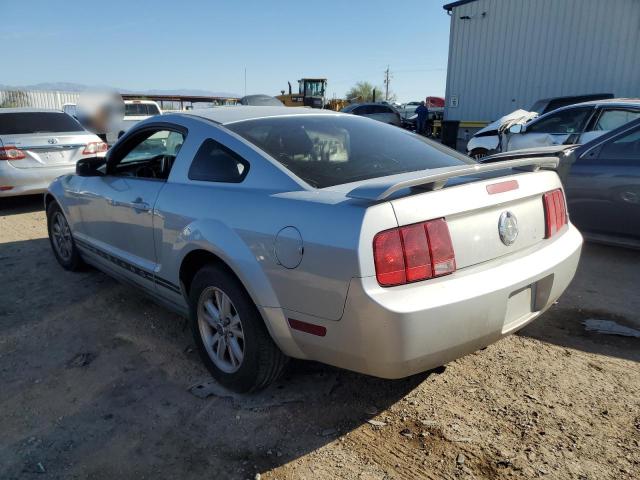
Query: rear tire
[232, 339]
[61, 239]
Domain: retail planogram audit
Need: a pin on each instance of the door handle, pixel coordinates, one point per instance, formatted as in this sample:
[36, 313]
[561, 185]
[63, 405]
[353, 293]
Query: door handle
[138, 204]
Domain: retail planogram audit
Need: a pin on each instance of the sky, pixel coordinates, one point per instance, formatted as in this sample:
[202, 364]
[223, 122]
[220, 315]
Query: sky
[161, 44]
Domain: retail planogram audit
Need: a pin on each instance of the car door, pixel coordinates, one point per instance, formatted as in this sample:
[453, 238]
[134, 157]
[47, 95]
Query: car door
[118, 208]
[603, 187]
[551, 129]
[608, 119]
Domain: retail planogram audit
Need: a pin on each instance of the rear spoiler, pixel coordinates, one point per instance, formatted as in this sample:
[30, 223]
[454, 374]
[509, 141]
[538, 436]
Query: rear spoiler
[434, 179]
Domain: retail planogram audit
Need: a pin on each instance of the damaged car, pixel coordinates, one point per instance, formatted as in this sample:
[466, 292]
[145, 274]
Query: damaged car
[489, 139]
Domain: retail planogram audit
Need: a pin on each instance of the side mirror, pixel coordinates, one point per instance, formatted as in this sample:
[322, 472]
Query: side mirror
[515, 129]
[89, 167]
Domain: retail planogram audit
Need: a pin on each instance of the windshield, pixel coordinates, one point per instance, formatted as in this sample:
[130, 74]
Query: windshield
[327, 150]
[37, 122]
[314, 89]
[140, 109]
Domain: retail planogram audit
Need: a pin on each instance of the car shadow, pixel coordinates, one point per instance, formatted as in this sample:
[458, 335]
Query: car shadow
[98, 382]
[603, 289]
[22, 204]
[565, 327]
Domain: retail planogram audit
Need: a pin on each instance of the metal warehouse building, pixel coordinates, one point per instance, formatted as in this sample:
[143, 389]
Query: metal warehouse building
[506, 54]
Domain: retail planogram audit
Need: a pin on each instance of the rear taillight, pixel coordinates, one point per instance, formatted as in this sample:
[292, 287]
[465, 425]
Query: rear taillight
[555, 212]
[11, 153]
[95, 147]
[414, 252]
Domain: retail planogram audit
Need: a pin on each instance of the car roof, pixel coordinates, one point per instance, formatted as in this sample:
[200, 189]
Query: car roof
[616, 102]
[231, 114]
[29, 110]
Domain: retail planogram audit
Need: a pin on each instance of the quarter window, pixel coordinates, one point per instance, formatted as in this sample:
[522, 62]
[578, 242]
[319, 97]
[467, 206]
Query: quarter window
[564, 122]
[216, 163]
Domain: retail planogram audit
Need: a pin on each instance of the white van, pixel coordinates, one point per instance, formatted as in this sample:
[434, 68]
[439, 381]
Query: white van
[134, 111]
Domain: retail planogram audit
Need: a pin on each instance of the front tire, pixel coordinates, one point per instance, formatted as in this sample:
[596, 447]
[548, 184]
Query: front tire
[61, 239]
[230, 334]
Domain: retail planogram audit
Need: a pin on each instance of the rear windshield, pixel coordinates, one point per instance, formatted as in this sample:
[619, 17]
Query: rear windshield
[140, 109]
[327, 150]
[37, 122]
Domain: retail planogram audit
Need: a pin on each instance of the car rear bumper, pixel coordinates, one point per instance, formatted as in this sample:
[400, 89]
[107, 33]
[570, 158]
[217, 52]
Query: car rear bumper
[26, 181]
[400, 331]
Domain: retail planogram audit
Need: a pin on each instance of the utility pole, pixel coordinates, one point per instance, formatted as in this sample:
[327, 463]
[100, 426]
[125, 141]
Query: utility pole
[387, 79]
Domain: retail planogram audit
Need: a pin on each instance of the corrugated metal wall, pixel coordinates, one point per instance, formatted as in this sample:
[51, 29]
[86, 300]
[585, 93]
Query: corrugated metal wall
[510, 53]
[36, 98]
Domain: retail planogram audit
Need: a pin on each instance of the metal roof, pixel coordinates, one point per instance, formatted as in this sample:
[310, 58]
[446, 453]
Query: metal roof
[450, 6]
[29, 110]
[239, 113]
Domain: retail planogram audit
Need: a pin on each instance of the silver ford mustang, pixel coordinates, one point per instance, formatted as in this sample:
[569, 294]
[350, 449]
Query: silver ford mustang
[303, 233]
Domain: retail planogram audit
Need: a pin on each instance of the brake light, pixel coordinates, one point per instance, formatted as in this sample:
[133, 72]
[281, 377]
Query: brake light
[414, 252]
[389, 258]
[555, 212]
[11, 153]
[95, 147]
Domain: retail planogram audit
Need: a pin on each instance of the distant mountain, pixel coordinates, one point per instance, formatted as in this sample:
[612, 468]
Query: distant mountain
[77, 87]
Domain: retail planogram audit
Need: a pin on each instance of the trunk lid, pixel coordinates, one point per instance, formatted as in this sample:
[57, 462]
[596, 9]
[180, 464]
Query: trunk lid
[473, 211]
[49, 150]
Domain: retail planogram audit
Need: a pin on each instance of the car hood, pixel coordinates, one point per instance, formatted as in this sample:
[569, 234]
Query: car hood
[515, 117]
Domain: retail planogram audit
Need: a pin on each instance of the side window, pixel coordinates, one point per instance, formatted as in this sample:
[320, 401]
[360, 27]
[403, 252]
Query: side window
[216, 163]
[152, 156]
[611, 119]
[363, 110]
[625, 148]
[381, 109]
[565, 122]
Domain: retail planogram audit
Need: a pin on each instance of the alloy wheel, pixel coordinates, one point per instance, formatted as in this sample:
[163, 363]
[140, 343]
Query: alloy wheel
[221, 329]
[61, 234]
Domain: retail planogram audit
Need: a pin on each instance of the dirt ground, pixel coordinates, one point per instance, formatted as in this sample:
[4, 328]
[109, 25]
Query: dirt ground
[95, 383]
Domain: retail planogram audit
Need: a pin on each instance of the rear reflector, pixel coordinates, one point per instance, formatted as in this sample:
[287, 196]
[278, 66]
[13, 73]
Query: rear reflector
[555, 212]
[414, 252]
[502, 187]
[311, 328]
[95, 147]
[5, 188]
[11, 153]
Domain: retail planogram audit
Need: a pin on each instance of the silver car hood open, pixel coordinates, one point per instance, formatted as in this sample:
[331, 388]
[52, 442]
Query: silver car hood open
[381, 188]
